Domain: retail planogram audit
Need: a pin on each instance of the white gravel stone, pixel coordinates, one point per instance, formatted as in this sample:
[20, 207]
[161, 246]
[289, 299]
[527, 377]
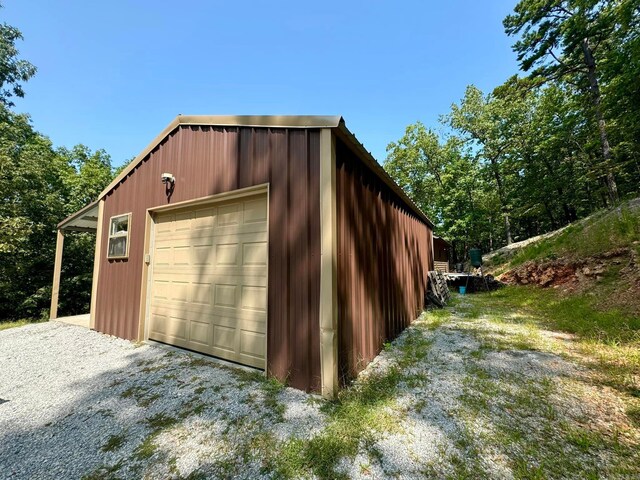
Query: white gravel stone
[67, 392]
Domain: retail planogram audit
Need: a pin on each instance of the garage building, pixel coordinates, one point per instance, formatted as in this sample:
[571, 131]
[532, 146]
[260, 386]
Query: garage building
[276, 242]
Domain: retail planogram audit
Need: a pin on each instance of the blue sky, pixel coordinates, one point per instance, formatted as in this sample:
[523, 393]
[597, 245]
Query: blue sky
[113, 74]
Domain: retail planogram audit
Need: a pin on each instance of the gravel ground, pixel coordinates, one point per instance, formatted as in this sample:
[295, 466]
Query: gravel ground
[79, 404]
[68, 391]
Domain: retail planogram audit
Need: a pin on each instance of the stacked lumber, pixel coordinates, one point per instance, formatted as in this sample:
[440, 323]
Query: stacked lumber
[438, 291]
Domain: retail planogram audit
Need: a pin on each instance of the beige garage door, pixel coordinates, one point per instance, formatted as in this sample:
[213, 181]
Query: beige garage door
[209, 280]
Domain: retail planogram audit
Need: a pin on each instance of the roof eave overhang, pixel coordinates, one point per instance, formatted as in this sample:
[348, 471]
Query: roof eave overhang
[84, 220]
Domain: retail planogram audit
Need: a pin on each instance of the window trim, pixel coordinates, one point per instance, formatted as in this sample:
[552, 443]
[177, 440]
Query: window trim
[119, 235]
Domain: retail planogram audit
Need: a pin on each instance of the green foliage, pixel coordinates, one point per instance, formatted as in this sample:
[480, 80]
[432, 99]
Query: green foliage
[528, 157]
[13, 70]
[40, 186]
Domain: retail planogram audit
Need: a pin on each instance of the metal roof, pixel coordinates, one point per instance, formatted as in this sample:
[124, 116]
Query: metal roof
[84, 220]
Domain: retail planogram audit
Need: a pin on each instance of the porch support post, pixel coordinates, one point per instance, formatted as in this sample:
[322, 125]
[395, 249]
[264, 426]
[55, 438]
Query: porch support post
[97, 258]
[57, 266]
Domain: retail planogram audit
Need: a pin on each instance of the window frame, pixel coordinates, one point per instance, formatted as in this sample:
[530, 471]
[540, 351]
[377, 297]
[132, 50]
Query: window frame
[126, 235]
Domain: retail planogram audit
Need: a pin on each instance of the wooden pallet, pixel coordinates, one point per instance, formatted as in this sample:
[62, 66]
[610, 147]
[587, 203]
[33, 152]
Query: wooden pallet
[438, 292]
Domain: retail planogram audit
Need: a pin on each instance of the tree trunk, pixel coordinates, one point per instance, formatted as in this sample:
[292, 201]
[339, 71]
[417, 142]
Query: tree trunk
[594, 86]
[496, 173]
[490, 235]
[507, 228]
[550, 215]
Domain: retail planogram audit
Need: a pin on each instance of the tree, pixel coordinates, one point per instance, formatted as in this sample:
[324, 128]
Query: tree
[444, 182]
[13, 70]
[491, 125]
[563, 38]
[39, 186]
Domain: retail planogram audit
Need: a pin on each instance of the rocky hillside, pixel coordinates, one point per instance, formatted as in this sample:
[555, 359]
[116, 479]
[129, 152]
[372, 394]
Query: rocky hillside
[598, 256]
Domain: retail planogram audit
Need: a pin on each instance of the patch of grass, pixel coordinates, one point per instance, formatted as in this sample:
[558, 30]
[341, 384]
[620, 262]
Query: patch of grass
[271, 388]
[248, 376]
[160, 421]
[601, 232]
[536, 439]
[144, 402]
[200, 361]
[135, 392]
[633, 413]
[18, 323]
[574, 314]
[607, 341]
[360, 413]
[197, 475]
[114, 442]
[434, 318]
[193, 407]
[146, 449]
[523, 428]
[150, 369]
[104, 472]
[582, 438]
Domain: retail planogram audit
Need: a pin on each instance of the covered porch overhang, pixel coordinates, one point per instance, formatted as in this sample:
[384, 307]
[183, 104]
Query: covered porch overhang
[86, 219]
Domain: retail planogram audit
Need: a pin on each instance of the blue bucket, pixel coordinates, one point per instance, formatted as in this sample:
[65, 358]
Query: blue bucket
[463, 290]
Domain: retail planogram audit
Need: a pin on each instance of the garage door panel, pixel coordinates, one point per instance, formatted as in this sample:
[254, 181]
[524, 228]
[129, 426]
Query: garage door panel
[200, 333]
[161, 289]
[179, 291]
[253, 297]
[224, 338]
[219, 234]
[248, 319]
[227, 254]
[163, 256]
[240, 312]
[252, 344]
[254, 253]
[255, 211]
[203, 254]
[203, 272]
[209, 285]
[225, 295]
[230, 276]
[158, 324]
[243, 234]
[177, 327]
[229, 214]
[182, 256]
[201, 293]
[168, 326]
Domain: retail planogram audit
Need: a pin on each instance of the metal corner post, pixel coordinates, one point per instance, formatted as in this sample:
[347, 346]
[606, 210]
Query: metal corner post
[328, 266]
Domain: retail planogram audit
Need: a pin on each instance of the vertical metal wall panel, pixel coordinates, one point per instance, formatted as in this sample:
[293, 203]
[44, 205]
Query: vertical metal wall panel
[210, 160]
[384, 254]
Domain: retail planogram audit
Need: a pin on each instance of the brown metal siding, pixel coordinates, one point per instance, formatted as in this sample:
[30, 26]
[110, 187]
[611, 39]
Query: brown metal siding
[384, 254]
[209, 160]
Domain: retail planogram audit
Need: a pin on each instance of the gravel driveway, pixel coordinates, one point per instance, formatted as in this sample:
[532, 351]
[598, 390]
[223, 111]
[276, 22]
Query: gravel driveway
[75, 403]
[460, 394]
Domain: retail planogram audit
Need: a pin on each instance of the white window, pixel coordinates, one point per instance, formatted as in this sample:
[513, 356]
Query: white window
[119, 236]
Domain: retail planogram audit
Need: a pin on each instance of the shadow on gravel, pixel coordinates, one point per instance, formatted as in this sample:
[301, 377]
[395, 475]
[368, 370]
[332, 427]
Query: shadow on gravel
[114, 424]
